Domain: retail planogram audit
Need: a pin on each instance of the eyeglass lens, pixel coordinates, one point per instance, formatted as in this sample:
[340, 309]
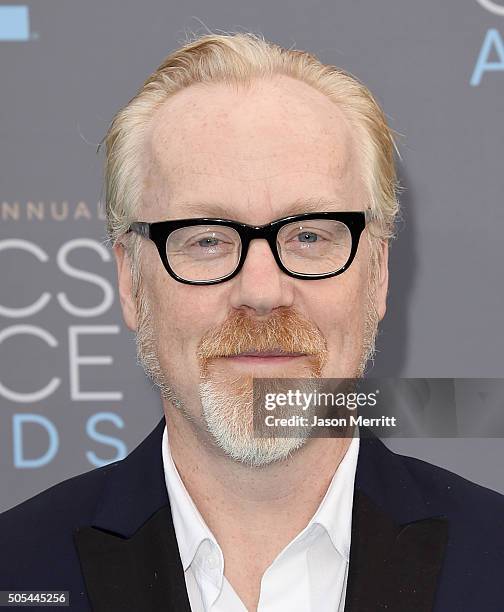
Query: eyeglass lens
[210, 252]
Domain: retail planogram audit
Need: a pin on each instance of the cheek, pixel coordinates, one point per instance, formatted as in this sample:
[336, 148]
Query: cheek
[181, 314]
[342, 303]
[340, 312]
[346, 316]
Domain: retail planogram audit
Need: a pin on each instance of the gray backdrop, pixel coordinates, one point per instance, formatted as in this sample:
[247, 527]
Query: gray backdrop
[71, 394]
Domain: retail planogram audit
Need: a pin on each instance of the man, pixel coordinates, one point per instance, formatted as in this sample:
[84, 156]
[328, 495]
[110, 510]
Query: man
[251, 194]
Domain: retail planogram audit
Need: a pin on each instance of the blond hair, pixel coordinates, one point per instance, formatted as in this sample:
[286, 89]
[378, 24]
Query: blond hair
[238, 59]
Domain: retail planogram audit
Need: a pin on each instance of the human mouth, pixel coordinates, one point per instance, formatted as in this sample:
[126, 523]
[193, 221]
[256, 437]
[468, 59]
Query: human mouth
[274, 356]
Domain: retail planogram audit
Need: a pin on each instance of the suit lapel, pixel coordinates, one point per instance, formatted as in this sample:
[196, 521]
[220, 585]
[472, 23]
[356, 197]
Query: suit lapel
[129, 555]
[138, 573]
[398, 540]
[130, 558]
[392, 567]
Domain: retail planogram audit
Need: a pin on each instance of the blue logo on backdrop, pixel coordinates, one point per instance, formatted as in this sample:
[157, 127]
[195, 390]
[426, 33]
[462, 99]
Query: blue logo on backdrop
[47, 428]
[14, 22]
[29, 426]
[492, 47]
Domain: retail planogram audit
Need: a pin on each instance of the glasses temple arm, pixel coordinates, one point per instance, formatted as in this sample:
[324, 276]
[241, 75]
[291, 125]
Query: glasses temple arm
[370, 215]
[139, 227]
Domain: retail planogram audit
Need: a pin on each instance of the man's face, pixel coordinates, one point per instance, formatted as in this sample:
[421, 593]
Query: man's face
[254, 153]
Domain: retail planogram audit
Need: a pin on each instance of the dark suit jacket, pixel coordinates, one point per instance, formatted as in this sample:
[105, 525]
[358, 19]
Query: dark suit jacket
[422, 538]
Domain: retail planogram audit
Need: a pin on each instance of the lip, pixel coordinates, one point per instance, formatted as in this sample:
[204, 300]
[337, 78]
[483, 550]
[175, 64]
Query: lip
[265, 357]
[272, 353]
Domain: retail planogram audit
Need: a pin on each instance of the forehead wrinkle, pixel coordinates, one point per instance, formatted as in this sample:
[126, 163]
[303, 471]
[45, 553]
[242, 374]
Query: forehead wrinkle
[299, 206]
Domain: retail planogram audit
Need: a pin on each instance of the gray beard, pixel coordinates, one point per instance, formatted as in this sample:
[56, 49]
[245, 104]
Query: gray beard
[228, 417]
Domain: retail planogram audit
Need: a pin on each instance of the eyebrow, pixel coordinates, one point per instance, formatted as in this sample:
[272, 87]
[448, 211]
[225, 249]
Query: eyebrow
[298, 207]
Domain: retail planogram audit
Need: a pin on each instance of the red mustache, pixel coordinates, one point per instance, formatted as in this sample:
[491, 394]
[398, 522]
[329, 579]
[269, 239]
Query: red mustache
[285, 330]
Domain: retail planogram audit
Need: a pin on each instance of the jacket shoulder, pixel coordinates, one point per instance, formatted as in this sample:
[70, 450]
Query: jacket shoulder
[470, 577]
[37, 534]
[475, 515]
[458, 494]
[74, 497]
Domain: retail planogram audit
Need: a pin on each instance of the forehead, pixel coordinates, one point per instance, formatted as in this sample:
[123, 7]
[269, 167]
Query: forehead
[279, 142]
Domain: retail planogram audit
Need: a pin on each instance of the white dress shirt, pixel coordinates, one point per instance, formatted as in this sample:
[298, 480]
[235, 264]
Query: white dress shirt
[309, 574]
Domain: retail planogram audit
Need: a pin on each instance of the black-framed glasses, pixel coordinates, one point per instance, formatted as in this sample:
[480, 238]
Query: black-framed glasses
[207, 251]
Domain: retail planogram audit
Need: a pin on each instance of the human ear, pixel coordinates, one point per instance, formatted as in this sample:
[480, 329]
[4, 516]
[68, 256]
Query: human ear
[125, 285]
[382, 280]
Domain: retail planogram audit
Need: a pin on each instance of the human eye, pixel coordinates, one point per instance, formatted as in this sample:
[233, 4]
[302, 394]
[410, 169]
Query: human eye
[206, 244]
[305, 236]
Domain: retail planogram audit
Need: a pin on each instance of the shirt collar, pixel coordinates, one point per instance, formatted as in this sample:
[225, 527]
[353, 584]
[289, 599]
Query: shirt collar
[190, 528]
[334, 513]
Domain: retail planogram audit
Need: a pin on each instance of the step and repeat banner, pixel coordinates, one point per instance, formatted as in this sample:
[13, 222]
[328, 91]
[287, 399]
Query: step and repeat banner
[72, 397]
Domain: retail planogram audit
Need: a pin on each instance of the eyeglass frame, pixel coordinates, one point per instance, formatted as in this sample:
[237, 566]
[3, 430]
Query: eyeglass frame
[159, 232]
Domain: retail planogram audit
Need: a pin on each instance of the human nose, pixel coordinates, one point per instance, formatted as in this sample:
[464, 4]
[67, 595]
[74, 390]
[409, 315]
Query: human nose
[261, 285]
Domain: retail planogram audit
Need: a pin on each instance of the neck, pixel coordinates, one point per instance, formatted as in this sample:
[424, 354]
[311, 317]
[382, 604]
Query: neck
[275, 502]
